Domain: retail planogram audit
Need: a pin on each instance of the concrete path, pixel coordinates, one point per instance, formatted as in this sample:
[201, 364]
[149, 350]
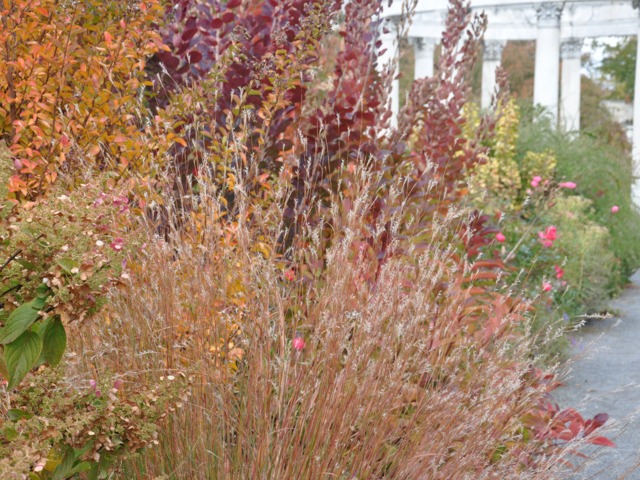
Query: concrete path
[606, 378]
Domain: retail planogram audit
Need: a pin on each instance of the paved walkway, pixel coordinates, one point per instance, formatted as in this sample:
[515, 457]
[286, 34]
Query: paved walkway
[606, 378]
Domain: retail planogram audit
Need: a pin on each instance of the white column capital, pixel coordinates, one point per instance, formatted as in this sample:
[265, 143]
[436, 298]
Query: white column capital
[571, 48]
[493, 50]
[549, 14]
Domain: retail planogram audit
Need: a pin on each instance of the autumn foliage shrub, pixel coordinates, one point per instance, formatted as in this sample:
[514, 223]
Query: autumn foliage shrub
[62, 253]
[59, 427]
[72, 79]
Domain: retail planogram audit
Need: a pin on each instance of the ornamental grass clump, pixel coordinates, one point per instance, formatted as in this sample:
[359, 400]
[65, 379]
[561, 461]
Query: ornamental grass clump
[327, 361]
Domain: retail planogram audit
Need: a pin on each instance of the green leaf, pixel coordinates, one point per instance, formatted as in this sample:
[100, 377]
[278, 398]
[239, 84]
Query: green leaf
[40, 327]
[19, 320]
[21, 355]
[43, 291]
[38, 303]
[84, 449]
[27, 265]
[15, 414]
[63, 470]
[10, 433]
[80, 467]
[67, 264]
[54, 342]
[3, 368]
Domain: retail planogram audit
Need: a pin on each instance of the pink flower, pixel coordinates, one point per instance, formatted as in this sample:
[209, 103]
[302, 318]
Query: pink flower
[298, 343]
[94, 385]
[551, 233]
[548, 236]
[117, 244]
[500, 237]
[546, 287]
[535, 181]
[290, 275]
[615, 209]
[569, 185]
[559, 272]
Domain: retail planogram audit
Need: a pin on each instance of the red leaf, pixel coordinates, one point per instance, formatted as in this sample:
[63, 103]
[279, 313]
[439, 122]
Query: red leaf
[228, 17]
[601, 418]
[194, 56]
[169, 60]
[597, 421]
[188, 34]
[233, 3]
[604, 441]
[566, 435]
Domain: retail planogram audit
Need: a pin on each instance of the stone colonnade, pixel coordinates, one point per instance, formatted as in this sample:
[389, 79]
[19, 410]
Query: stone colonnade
[556, 89]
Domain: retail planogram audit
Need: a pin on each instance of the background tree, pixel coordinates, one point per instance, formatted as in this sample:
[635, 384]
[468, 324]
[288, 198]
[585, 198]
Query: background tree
[620, 65]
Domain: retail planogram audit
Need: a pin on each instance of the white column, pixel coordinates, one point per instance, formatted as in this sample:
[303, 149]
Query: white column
[547, 70]
[390, 44]
[635, 152]
[570, 93]
[491, 59]
[424, 49]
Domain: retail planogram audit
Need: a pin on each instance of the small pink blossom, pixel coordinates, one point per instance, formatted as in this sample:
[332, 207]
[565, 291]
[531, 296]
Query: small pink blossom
[500, 237]
[548, 236]
[298, 343]
[94, 386]
[559, 272]
[535, 181]
[569, 185]
[615, 209]
[551, 233]
[117, 244]
[290, 275]
[546, 287]
[121, 202]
